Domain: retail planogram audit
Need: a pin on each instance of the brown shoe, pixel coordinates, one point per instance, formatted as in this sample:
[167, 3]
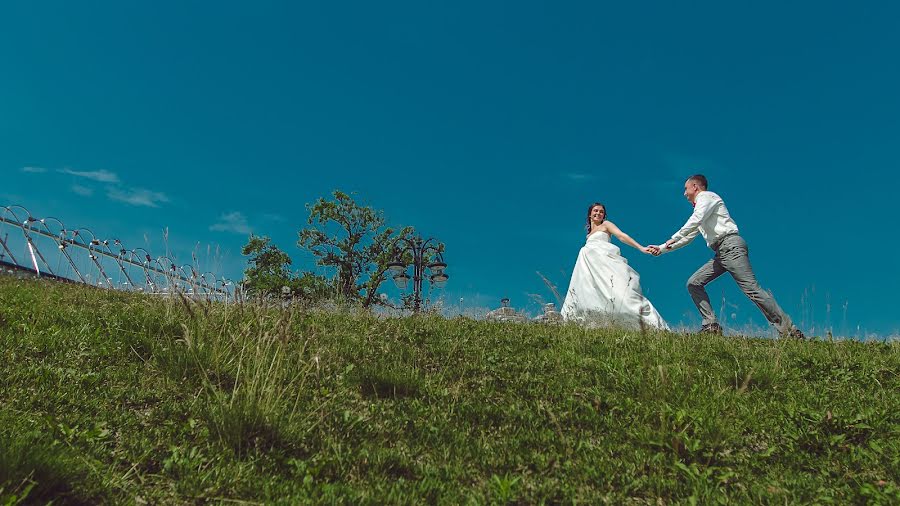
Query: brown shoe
[794, 333]
[711, 328]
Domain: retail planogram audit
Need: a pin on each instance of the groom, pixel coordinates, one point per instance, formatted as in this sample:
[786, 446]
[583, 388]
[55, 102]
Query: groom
[711, 219]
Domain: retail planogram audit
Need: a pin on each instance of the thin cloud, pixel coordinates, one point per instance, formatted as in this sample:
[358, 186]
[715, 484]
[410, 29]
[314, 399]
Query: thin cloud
[84, 191]
[34, 170]
[137, 196]
[101, 176]
[273, 217]
[681, 166]
[234, 222]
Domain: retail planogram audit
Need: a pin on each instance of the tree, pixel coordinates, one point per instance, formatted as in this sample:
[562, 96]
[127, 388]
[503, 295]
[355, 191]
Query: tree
[269, 273]
[269, 267]
[354, 240]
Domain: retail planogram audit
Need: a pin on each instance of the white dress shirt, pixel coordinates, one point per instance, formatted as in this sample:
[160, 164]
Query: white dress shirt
[710, 219]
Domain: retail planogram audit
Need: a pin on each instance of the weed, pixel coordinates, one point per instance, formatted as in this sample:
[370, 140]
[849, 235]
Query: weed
[120, 398]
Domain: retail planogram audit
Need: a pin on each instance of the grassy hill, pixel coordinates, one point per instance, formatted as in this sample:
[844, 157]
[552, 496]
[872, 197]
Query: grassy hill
[120, 398]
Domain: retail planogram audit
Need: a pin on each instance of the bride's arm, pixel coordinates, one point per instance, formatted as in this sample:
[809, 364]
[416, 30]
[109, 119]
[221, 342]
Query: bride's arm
[622, 236]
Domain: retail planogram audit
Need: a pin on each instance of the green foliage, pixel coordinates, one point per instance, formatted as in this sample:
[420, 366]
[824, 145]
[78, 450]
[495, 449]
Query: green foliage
[353, 240]
[37, 469]
[310, 286]
[269, 268]
[269, 273]
[110, 397]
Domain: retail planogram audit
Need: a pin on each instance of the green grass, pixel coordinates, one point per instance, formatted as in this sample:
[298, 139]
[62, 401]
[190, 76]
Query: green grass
[108, 397]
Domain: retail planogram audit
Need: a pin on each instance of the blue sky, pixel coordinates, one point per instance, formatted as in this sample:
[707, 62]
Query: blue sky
[489, 125]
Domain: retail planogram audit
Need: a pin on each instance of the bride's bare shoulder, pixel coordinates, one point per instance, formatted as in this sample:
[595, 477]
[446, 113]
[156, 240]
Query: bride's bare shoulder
[607, 226]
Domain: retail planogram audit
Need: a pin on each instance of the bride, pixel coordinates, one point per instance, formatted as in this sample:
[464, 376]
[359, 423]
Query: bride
[604, 289]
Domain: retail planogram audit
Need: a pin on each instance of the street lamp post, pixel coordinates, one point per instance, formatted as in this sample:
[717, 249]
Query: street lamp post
[418, 249]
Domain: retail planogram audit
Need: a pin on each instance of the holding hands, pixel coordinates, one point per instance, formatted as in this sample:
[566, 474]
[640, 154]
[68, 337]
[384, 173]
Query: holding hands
[657, 250]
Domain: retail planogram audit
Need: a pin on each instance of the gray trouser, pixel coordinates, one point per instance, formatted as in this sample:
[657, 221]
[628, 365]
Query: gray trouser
[732, 256]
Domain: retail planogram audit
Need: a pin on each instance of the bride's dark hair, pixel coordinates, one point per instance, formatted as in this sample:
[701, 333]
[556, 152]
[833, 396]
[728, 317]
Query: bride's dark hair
[591, 208]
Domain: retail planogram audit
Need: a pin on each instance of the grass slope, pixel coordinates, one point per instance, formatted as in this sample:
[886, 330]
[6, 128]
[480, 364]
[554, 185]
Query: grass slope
[115, 397]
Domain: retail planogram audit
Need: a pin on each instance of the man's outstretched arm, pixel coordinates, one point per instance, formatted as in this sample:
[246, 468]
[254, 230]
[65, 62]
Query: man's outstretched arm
[671, 245]
[691, 228]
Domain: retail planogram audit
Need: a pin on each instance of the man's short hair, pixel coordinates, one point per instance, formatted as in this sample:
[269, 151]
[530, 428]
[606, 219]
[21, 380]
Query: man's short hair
[700, 179]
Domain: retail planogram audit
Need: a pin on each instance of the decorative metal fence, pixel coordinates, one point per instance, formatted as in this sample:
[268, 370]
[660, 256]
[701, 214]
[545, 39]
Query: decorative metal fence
[45, 247]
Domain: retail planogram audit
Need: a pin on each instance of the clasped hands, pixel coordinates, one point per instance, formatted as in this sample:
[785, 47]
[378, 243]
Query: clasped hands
[653, 250]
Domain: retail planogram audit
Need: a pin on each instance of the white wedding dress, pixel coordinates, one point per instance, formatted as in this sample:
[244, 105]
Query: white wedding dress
[605, 290]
